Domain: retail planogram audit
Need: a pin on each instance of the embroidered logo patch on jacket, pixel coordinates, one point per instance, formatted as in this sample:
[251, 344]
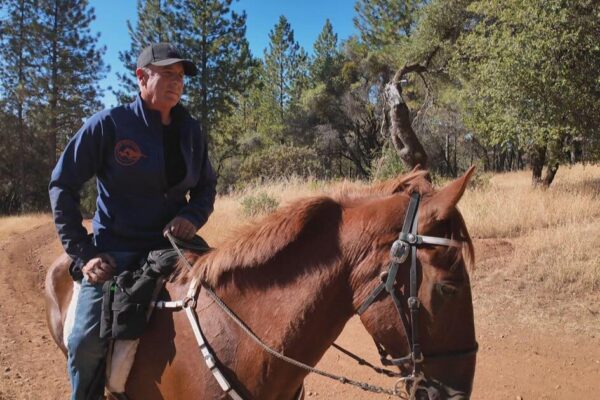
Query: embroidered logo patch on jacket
[127, 152]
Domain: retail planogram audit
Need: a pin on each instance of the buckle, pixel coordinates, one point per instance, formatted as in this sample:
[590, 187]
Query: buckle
[399, 252]
[189, 302]
[413, 302]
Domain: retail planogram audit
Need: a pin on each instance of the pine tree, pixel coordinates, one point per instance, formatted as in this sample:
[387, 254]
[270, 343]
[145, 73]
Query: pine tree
[155, 24]
[69, 72]
[327, 60]
[284, 69]
[385, 22]
[18, 70]
[214, 37]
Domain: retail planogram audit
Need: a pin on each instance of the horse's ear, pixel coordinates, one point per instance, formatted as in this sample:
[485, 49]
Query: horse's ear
[445, 200]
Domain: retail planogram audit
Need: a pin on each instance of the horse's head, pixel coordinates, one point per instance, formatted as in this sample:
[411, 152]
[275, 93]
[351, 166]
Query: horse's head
[426, 330]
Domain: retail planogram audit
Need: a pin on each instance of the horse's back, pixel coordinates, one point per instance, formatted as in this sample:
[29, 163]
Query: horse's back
[58, 290]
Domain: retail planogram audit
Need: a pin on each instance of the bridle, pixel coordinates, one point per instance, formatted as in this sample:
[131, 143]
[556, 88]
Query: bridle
[406, 244]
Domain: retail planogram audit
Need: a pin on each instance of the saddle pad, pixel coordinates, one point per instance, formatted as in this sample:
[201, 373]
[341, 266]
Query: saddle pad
[70, 318]
[121, 355]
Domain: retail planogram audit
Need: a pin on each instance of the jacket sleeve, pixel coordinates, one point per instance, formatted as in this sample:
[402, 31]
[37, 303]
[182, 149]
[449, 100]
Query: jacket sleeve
[202, 196]
[79, 162]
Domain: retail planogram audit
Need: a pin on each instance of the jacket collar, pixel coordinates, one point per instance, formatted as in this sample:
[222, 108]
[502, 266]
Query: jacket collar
[152, 117]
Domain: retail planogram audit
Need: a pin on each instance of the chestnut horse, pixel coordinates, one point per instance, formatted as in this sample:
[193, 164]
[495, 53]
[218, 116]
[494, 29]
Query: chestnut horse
[295, 279]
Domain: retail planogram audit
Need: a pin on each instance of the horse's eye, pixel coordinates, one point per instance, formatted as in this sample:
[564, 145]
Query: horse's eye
[446, 290]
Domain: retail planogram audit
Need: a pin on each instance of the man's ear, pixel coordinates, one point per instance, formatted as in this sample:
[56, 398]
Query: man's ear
[141, 76]
[445, 200]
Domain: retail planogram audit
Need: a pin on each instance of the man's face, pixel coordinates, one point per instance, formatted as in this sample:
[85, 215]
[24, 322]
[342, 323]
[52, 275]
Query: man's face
[161, 87]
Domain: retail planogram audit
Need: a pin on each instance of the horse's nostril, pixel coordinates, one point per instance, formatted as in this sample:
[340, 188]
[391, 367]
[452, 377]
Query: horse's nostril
[429, 394]
[446, 290]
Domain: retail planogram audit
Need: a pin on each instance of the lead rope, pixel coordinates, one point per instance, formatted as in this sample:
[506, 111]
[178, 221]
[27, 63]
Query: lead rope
[196, 327]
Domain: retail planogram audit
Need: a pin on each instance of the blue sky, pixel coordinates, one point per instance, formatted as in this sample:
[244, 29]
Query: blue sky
[305, 16]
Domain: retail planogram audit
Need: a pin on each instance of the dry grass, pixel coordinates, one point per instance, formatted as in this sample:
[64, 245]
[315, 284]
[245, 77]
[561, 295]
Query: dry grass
[510, 207]
[14, 225]
[554, 233]
[562, 259]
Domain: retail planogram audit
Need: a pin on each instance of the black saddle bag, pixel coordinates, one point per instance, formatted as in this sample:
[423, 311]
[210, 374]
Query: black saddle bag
[127, 297]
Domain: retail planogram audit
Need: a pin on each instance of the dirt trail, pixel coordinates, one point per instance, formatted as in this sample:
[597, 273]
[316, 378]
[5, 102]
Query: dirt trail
[517, 358]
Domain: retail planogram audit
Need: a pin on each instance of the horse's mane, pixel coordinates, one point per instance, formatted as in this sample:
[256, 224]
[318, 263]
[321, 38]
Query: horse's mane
[416, 180]
[257, 242]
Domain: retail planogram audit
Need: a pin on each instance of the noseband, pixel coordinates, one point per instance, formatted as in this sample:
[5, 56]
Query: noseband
[407, 243]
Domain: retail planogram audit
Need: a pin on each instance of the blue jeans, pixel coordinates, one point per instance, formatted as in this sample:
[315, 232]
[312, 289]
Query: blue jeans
[86, 350]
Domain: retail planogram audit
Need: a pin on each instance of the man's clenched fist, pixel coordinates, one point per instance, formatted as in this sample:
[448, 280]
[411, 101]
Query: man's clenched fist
[180, 228]
[100, 268]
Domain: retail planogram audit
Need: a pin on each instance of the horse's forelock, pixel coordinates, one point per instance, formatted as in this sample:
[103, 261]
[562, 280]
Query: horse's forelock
[468, 249]
[428, 216]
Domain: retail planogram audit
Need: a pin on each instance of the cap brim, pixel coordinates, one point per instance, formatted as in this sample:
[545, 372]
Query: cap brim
[189, 68]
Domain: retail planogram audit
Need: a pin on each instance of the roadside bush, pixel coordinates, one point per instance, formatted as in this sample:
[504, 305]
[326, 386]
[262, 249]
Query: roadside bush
[258, 204]
[389, 165]
[281, 161]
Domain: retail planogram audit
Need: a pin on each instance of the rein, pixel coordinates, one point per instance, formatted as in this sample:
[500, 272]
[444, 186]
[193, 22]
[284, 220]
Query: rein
[407, 243]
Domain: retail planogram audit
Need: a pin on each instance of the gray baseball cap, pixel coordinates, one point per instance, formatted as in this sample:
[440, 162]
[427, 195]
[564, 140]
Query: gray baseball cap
[162, 54]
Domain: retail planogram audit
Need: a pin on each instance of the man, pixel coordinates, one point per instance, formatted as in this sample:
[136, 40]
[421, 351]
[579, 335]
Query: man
[146, 156]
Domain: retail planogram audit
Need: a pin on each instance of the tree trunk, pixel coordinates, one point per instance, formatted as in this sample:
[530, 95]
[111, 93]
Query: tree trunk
[53, 106]
[403, 136]
[537, 160]
[21, 191]
[454, 161]
[550, 174]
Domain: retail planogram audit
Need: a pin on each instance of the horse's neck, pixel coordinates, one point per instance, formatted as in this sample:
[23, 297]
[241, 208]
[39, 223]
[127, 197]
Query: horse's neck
[300, 316]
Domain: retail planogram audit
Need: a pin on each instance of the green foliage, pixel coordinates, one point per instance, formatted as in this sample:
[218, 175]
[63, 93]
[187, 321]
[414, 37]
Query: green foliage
[440, 23]
[283, 78]
[388, 165]
[328, 60]
[258, 204]
[280, 161]
[18, 77]
[530, 72]
[385, 22]
[50, 68]
[481, 180]
[88, 196]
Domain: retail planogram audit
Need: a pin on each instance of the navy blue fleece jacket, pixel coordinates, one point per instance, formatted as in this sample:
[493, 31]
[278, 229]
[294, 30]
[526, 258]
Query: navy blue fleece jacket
[123, 148]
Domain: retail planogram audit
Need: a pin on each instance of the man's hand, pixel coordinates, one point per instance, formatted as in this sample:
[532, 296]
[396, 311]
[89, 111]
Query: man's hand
[180, 228]
[100, 268]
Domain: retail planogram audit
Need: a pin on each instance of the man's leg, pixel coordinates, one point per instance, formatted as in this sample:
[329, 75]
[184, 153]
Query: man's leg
[86, 350]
